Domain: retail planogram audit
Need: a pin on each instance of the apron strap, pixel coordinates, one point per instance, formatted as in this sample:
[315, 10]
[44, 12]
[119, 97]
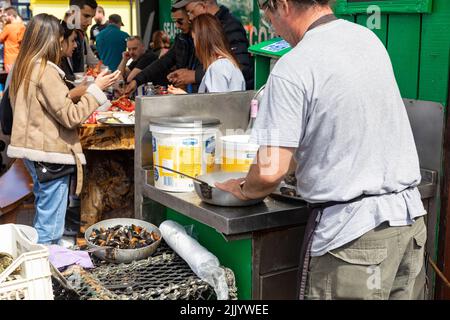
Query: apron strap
[305, 253]
[322, 20]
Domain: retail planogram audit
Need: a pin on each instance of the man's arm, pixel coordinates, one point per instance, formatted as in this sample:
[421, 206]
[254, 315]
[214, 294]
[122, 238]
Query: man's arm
[272, 164]
[158, 69]
[133, 73]
[123, 64]
[239, 44]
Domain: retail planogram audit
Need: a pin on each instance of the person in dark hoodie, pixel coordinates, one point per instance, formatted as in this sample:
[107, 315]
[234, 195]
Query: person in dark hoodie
[180, 56]
[234, 32]
[68, 45]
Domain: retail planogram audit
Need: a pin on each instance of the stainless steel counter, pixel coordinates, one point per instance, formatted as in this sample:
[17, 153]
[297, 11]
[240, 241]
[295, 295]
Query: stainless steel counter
[231, 221]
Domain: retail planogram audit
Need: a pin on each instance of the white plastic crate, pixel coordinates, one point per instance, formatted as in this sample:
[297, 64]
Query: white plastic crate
[34, 281]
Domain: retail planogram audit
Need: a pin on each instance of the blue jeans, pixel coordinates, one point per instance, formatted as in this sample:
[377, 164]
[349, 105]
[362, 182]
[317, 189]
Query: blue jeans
[51, 204]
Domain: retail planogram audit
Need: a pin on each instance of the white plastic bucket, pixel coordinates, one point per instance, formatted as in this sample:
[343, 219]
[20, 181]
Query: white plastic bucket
[237, 153]
[189, 150]
[30, 232]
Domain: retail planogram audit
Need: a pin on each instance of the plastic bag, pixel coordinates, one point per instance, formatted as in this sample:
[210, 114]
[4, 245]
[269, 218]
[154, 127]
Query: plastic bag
[202, 262]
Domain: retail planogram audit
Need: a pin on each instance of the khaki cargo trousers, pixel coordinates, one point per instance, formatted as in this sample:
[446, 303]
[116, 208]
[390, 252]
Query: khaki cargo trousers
[384, 263]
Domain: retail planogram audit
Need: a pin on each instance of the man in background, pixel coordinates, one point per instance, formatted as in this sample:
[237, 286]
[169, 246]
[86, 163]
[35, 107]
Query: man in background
[236, 36]
[83, 55]
[100, 24]
[180, 56]
[112, 42]
[138, 56]
[11, 36]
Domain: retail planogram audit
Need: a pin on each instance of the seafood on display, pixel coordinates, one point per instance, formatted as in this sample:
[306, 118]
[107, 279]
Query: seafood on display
[123, 237]
[5, 261]
[122, 104]
[94, 71]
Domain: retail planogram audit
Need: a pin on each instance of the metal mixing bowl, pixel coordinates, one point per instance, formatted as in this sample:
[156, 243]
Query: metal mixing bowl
[123, 255]
[219, 197]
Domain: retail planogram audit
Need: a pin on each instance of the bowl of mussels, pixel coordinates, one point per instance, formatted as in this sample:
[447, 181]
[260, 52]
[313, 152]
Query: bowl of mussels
[122, 240]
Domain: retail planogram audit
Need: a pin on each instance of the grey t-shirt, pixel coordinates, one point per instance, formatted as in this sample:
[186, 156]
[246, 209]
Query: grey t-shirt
[222, 76]
[334, 97]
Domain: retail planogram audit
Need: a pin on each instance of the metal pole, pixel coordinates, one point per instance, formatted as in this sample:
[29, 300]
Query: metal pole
[131, 17]
[138, 18]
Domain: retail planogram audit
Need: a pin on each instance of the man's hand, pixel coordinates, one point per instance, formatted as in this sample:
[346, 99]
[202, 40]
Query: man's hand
[265, 174]
[181, 77]
[130, 88]
[233, 186]
[172, 90]
[126, 56]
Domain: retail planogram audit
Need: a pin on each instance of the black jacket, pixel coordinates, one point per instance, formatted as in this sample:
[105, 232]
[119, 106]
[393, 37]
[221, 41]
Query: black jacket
[79, 52]
[67, 68]
[237, 38]
[181, 55]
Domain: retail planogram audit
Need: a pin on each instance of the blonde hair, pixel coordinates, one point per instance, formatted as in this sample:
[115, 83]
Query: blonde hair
[210, 41]
[41, 41]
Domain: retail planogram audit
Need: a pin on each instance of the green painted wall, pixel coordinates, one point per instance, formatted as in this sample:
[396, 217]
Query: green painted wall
[435, 53]
[236, 255]
[419, 47]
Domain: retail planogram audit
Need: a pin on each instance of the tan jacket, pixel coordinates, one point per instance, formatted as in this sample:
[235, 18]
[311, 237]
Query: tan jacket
[45, 122]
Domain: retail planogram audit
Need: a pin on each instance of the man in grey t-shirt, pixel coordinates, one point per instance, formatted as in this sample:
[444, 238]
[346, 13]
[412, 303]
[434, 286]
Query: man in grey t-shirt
[333, 104]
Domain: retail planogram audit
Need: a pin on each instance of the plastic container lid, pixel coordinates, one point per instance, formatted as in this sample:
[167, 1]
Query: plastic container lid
[185, 122]
[237, 139]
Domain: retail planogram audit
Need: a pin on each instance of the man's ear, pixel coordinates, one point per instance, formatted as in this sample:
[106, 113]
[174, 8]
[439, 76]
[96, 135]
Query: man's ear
[284, 7]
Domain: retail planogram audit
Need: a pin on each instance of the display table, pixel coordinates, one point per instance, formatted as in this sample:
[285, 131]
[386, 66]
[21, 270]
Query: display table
[108, 188]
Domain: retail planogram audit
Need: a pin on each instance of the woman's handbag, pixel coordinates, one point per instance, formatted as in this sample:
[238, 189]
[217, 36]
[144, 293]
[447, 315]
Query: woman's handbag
[6, 113]
[49, 171]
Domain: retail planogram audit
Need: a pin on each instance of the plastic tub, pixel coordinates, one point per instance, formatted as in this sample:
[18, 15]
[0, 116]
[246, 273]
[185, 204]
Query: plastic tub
[237, 153]
[33, 279]
[185, 144]
[30, 232]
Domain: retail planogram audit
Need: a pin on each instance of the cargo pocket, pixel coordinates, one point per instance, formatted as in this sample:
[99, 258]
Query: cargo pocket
[418, 252]
[359, 256]
[420, 238]
[357, 272]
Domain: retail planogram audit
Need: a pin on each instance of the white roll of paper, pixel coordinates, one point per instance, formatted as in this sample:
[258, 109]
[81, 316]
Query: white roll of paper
[202, 262]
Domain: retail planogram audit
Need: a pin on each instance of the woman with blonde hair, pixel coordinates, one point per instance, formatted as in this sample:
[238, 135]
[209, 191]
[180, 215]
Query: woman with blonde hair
[45, 121]
[223, 73]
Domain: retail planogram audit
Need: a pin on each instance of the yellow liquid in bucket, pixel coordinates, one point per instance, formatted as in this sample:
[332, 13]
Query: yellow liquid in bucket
[187, 152]
[238, 155]
[236, 165]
